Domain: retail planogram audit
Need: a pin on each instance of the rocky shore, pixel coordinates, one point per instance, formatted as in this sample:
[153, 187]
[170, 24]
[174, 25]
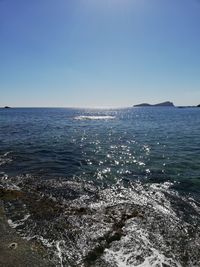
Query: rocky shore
[16, 251]
[67, 223]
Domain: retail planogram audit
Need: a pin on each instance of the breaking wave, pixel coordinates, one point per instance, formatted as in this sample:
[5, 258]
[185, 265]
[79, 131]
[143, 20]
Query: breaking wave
[94, 117]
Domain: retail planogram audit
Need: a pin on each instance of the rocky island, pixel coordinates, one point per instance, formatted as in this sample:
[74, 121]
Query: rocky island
[163, 104]
[198, 106]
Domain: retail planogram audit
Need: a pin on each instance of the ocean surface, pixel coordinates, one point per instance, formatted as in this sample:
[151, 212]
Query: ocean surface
[106, 188]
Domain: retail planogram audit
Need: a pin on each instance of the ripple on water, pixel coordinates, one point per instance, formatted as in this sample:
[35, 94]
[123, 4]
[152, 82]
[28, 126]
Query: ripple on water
[5, 158]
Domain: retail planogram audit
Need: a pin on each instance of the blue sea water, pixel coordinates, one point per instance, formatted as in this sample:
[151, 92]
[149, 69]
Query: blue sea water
[102, 148]
[135, 143]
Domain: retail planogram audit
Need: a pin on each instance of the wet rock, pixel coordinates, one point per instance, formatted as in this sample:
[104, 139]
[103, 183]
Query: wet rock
[7, 194]
[43, 208]
[17, 252]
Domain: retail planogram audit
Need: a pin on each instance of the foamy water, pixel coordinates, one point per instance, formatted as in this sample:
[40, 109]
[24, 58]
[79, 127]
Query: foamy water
[135, 225]
[5, 158]
[94, 117]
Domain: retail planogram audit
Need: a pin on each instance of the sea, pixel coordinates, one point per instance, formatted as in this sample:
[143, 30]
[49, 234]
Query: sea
[104, 187]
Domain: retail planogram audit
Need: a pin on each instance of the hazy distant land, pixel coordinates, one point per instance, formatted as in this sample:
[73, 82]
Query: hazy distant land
[163, 104]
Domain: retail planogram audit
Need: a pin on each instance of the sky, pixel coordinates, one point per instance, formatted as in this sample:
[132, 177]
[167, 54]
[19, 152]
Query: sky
[99, 53]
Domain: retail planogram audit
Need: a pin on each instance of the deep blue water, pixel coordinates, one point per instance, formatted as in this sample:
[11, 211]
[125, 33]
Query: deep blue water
[137, 143]
[100, 188]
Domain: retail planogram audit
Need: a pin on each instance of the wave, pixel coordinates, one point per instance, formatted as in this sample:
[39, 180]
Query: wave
[5, 159]
[94, 117]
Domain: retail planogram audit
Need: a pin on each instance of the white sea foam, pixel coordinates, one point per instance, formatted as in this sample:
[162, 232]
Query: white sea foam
[157, 259]
[94, 117]
[138, 195]
[59, 251]
[4, 159]
[19, 222]
[136, 247]
[141, 253]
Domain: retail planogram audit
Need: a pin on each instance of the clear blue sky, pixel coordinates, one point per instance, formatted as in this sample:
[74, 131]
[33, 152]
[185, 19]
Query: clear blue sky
[99, 52]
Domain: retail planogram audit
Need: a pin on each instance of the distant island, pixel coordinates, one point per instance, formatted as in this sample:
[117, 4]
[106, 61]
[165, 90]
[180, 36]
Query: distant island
[198, 106]
[163, 104]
